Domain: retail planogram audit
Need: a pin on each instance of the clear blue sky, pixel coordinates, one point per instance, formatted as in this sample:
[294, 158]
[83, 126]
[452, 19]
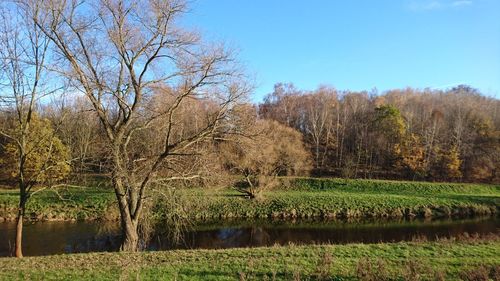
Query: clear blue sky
[359, 44]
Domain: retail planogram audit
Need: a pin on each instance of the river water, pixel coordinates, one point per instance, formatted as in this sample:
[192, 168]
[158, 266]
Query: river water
[47, 238]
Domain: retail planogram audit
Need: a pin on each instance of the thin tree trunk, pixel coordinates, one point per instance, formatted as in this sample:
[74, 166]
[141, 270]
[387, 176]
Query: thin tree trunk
[23, 197]
[19, 228]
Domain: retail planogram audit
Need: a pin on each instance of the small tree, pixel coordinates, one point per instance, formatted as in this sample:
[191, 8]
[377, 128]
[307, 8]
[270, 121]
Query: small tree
[270, 150]
[29, 158]
[31, 153]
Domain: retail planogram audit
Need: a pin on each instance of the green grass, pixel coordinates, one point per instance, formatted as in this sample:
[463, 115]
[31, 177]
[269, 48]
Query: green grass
[297, 197]
[399, 187]
[330, 262]
[62, 204]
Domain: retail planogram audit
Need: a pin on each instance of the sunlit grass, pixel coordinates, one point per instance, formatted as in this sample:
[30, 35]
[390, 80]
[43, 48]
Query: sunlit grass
[337, 262]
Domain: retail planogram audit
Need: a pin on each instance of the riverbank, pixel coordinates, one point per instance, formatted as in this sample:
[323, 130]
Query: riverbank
[441, 260]
[296, 198]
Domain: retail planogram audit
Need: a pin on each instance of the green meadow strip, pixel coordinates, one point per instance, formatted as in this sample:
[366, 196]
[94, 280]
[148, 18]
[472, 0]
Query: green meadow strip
[393, 261]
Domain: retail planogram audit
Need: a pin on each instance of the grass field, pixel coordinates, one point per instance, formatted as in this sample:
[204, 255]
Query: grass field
[444, 260]
[296, 197]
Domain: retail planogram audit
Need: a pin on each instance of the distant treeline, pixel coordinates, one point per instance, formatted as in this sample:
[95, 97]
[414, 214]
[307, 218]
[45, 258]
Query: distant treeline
[451, 135]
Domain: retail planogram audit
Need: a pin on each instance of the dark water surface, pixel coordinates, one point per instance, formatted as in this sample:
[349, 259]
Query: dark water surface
[46, 238]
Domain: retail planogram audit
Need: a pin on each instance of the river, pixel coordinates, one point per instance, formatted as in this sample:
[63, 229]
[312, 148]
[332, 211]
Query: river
[47, 238]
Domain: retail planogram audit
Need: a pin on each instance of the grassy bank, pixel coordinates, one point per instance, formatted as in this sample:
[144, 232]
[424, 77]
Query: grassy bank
[62, 204]
[443, 260]
[296, 197]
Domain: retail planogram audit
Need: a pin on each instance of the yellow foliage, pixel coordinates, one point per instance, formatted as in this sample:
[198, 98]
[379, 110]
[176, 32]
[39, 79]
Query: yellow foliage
[412, 154]
[45, 155]
[448, 163]
[452, 163]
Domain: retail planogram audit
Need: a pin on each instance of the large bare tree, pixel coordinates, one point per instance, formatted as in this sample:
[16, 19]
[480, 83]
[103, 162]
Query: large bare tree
[121, 53]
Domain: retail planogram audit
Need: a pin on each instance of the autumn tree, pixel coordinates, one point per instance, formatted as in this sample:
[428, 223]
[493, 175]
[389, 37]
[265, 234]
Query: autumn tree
[411, 156]
[46, 158]
[483, 158]
[31, 153]
[268, 150]
[452, 163]
[391, 129]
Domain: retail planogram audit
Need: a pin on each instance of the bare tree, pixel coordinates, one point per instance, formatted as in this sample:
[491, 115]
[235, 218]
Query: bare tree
[269, 149]
[118, 53]
[319, 122]
[32, 152]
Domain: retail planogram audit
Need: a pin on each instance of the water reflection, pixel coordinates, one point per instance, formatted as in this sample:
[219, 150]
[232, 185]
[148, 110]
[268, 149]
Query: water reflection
[74, 237]
[268, 234]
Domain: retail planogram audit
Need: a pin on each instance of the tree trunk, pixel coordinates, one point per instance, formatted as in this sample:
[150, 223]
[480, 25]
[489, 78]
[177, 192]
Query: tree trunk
[19, 231]
[129, 224]
[130, 234]
[130, 242]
